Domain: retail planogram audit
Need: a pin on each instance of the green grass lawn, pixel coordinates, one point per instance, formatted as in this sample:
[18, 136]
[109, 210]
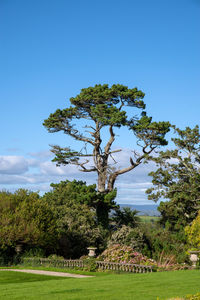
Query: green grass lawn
[164, 285]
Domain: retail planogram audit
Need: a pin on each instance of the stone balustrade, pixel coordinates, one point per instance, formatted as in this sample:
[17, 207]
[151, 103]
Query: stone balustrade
[77, 263]
[123, 267]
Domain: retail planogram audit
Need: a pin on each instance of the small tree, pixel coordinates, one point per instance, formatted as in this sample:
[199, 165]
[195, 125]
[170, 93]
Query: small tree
[103, 107]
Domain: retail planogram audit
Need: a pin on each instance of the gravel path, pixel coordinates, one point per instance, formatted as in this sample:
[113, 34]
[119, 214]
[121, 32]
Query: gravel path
[50, 273]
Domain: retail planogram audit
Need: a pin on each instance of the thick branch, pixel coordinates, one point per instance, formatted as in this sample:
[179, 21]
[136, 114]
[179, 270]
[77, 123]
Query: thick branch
[111, 140]
[114, 175]
[88, 170]
[79, 137]
[82, 165]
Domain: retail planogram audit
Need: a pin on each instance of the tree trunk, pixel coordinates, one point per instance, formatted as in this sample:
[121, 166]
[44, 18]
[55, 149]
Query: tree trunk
[101, 187]
[102, 211]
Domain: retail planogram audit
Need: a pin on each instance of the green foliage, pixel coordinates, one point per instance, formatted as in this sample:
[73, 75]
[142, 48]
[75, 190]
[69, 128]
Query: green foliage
[70, 192]
[63, 221]
[137, 240]
[152, 132]
[187, 297]
[125, 216]
[193, 233]
[119, 236]
[108, 115]
[26, 219]
[76, 193]
[124, 254]
[74, 206]
[161, 240]
[103, 206]
[90, 264]
[193, 297]
[34, 252]
[178, 179]
[133, 237]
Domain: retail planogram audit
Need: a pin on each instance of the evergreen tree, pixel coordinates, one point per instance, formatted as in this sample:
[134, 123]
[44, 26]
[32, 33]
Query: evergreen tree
[178, 179]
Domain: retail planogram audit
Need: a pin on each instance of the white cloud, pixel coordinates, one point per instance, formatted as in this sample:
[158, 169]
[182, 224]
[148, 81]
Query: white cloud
[33, 162]
[50, 168]
[36, 173]
[13, 165]
[41, 154]
[8, 179]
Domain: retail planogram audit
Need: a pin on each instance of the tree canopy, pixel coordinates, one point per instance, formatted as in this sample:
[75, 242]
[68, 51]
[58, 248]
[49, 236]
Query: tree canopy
[61, 221]
[26, 219]
[74, 204]
[178, 179]
[102, 107]
[69, 193]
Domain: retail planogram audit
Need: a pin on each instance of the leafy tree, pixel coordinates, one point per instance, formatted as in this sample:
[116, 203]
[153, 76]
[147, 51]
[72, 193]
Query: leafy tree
[74, 206]
[63, 221]
[178, 179]
[104, 108]
[74, 192]
[25, 218]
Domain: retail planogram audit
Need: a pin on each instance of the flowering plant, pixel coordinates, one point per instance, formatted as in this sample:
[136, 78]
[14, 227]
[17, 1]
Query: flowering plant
[125, 254]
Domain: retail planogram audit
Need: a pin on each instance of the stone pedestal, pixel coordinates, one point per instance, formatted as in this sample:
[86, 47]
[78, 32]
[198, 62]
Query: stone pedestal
[91, 251]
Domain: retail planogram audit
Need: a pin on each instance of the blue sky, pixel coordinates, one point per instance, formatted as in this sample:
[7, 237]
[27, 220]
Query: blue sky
[50, 49]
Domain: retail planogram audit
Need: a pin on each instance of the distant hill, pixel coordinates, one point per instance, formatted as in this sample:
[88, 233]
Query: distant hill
[144, 210]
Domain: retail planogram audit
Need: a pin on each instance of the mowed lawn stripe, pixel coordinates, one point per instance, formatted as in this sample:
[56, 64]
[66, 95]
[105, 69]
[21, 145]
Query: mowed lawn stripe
[112, 286]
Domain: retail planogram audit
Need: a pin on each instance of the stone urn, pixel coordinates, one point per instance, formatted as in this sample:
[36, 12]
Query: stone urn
[92, 251]
[18, 248]
[194, 257]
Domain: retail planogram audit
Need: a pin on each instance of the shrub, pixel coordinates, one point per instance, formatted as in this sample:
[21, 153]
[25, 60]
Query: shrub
[124, 254]
[55, 257]
[168, 262]
[193, 297]
[161, 240]
[133, 237]
[90, 264]
[34, 252]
